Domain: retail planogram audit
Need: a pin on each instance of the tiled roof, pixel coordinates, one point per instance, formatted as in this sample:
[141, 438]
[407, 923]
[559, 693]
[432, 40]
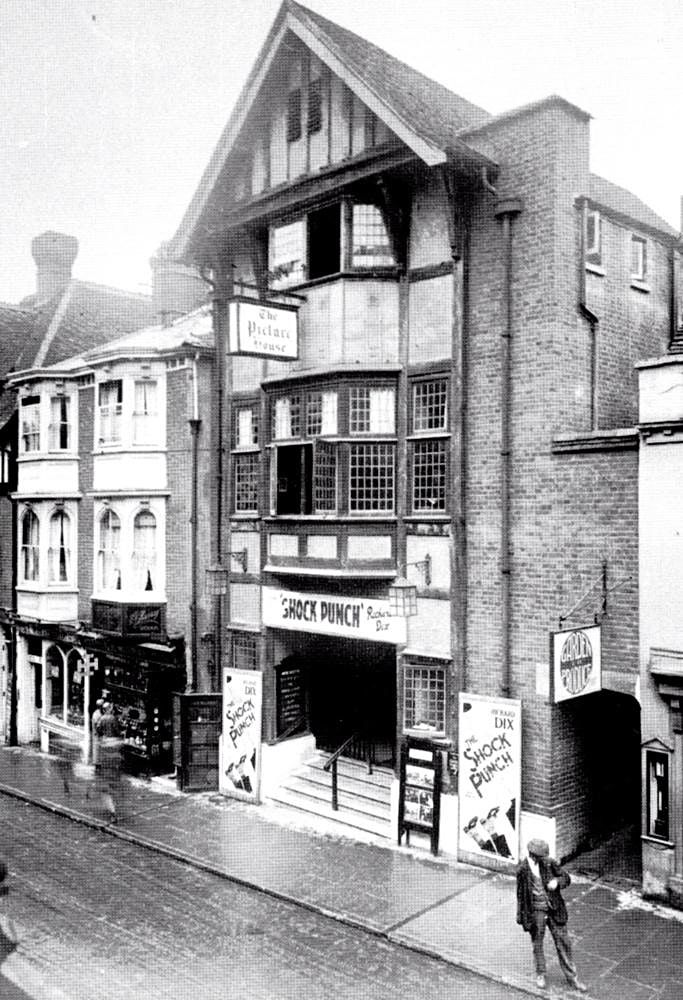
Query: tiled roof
[16, 335]
[193, 330]
[617, 199]
[428, 107]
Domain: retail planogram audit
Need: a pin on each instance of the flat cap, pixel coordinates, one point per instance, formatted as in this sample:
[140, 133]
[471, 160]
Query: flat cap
[538, 848]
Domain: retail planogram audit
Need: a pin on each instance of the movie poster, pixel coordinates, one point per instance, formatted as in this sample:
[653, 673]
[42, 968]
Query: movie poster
[489, 776]
[240, 743]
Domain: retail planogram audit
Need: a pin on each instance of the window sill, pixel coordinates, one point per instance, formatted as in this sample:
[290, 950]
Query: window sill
[42, 456]
[35, 587]
[659, 841]
[128, 597]
[640, 286]
[595, 269]
[127, 448]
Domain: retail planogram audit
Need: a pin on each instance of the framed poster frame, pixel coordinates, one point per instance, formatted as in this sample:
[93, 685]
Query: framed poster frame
[419, 801]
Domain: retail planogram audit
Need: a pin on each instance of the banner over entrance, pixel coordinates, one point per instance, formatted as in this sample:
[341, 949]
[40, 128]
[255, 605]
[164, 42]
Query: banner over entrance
[332, 614]
[489, 776]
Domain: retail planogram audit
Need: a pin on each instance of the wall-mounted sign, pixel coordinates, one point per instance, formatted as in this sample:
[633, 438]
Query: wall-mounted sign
[263, 330]
[489, 776]
[332, 614]
[576, 662]
[240, 741]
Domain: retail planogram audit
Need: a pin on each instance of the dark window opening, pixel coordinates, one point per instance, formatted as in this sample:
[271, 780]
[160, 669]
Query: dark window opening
[324, 242]
[294, 479]
[294, 115]
[315, 106]
[658, 794]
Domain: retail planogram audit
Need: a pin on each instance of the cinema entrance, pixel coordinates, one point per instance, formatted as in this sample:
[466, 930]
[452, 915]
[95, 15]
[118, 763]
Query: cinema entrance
[347, 688]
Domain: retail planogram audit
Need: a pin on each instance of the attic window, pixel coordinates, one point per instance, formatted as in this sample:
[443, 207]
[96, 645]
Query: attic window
[315, 106]
[294, 115]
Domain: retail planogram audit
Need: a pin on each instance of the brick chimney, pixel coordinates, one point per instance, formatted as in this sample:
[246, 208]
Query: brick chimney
[176, 288]
[54, 254]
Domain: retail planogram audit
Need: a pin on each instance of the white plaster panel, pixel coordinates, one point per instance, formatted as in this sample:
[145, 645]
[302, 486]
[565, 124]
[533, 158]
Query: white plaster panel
[284, 545]
[661, 393]
[49, 477]
[419, 546]
[430, 318]
[369, 547]
[119, 471]
[321, 546]
[245, 603]
[429, 631]
[248, 540]
[51, 607]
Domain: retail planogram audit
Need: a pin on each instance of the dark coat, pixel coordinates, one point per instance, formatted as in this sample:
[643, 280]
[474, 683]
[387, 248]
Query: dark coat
[549, 869]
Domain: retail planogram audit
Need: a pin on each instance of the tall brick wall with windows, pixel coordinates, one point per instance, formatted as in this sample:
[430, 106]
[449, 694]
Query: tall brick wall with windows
[633, 318]
[87, 534]
[567, 511]
[178, 513]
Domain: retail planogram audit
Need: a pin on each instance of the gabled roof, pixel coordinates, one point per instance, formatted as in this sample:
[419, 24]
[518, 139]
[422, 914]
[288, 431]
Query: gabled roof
[426, 116]
[618, 201]
[192, 332]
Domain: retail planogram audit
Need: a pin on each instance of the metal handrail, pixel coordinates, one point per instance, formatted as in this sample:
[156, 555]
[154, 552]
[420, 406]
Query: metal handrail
[333, 760]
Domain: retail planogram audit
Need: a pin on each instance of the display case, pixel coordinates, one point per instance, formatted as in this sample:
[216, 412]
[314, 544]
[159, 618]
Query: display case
[141, 691]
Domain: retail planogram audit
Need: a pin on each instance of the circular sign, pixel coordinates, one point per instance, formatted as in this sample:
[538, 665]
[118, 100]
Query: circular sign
[576, 662]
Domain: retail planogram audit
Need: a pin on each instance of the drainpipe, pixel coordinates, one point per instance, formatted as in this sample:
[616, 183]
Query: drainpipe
[593, 320]
[458, 237]
[506, 210]
[195, 424]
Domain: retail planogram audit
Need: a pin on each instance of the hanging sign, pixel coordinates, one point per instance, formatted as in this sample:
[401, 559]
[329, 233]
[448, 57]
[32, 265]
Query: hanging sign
[263, 330]
[327, 614]
[576, 662]
[489, 776]
[240, 740]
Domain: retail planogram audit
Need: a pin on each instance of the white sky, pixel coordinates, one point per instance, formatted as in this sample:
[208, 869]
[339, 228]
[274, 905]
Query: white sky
[110, 109]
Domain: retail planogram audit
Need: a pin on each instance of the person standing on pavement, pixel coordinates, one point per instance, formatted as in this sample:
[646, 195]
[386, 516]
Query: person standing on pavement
[108, 732]
[540, 880]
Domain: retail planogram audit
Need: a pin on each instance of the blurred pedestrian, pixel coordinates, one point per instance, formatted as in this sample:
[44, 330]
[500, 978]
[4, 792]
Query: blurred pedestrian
[109, 767]
[540, 880]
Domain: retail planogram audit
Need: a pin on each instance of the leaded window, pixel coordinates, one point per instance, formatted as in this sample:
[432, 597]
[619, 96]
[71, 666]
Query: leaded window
[371, 477]
[424, 698]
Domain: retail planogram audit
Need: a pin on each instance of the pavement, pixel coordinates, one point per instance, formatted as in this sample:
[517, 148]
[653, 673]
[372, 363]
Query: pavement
[625, 947]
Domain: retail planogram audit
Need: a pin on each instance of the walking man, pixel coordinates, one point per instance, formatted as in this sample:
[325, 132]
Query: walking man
[540, 880]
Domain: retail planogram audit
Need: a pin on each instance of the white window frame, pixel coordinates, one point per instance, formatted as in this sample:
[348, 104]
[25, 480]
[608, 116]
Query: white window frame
[638, 244]
[64, 544]
[29, 419]
[134, 425]
[29, 551]
[594, 246]
[110, 413]
[60, 425]
[146, 428]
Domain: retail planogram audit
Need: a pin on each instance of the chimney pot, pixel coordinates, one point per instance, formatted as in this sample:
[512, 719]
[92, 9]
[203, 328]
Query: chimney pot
[54, 254]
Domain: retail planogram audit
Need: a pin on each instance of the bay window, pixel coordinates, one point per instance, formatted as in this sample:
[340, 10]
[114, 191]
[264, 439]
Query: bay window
[144, 550]
[109, 551]
[110, 404]
[59, 552]
[59, 431]
[315, 469]
[145, 412]
[30, 546]
[29, 415]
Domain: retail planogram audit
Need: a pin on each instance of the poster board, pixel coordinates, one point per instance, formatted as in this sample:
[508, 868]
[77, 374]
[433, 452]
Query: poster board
[419, 804]
[240, 741]
[489, 776]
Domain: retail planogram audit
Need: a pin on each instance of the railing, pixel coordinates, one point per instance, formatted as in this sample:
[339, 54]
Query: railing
[357, 742]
